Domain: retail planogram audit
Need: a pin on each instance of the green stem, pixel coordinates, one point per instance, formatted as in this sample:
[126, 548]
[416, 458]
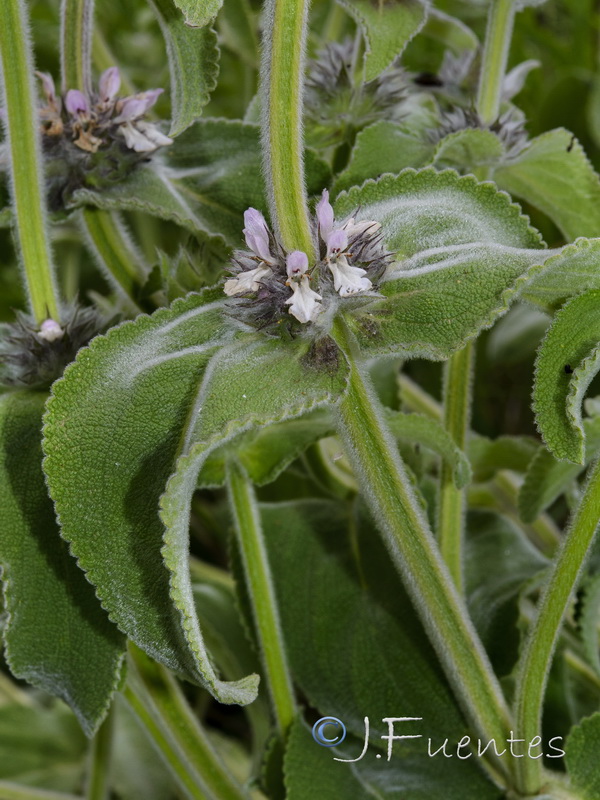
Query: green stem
[156, 699]
[495, 58]
[14, 791]
[27, 170]
[262, 593]
[282, 78]
[536, 657]
[386, 487]
[76, 28]
[99, 774]
[111, 244]
[458, 382]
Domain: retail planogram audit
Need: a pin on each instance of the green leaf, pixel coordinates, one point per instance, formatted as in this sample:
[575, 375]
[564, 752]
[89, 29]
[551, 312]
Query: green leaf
[547, 478]
[57, 636]
[554, 174]
[195, 382]
[568, 359]
[462, 251]
[499, 560]
[468, 149]
[588, 620]
[425, 431]
[238, 28]
[383, 147]
[581, 757]
[344, 624]
[212, 173]
[310, 772]
[387, 28]
[265, 453]
[450, 31]
[506, 452]
[198, 14]
[193, 63]
[567, 272]
[41, 747]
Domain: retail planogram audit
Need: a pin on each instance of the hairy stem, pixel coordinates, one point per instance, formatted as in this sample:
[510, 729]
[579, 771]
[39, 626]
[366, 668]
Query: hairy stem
[501, 18]
[536, 658]
[76, 29]
[98, 777]
[282, 79]
[21, 126]
[156, 699]
[458, 380]
[386, 487]
[262, 593]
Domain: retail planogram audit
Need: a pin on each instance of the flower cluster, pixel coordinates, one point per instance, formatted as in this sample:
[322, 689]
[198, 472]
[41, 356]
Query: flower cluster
[35, 356]
[94, 140]
[351, 260]
[337, 107]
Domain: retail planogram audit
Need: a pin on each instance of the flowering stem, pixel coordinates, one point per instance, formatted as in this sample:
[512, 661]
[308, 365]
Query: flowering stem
[110, 242]
[76, 26]
[98, 777]
[282, 78]
[262, 593]
[387, 489]
[501, 18]
[27, 172]
[536, 657]
[458, 384]
[156, 699]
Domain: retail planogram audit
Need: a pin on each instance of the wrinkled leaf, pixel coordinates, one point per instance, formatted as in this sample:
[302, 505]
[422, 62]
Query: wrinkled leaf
[193, 64]
[197, 14]
[57, 636]
[569, 271]
[387, 27]
[581, 757]
[210, 175]
[462, 250]
[468, 149]
[568, 359]
[195, 382]
[554, 174]
[381, 148]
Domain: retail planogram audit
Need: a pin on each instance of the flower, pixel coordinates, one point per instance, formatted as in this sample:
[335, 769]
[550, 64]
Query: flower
[50, 331]
[349, 258]
[304, 303]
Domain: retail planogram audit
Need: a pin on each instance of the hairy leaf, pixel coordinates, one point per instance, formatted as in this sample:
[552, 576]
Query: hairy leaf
[462, 251]
[193, 63]
[211, 174]
[547, 477]
[310, 770]
[582, 757]
[506, 452]
[554, 174]
[197, 14]
[195, 382]
[568, 271]
[468, 149]
[383, 147]
[450, 31]
[387, 28]
[57, 636]
[568, 359]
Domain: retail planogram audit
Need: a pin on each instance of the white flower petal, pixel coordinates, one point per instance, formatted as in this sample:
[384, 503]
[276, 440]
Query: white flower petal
[247, 281]
[353, 228]
[304, 302]
[152, 133]
[347, 279]
[135, 140]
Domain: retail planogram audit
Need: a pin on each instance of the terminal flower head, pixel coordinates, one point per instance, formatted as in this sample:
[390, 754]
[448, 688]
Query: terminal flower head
[274, 285]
